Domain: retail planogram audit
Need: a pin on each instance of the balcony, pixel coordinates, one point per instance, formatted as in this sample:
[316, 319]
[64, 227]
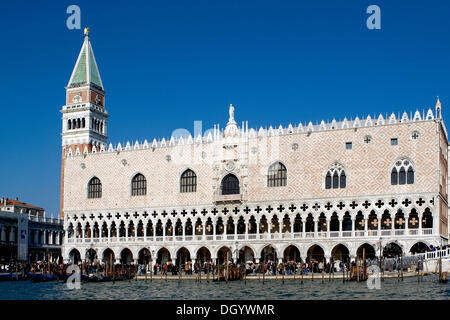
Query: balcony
[396, 233]
[229, 198]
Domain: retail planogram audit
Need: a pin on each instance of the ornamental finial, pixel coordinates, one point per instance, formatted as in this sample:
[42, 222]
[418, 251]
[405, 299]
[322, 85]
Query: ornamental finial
[86, 31]
[231, 112]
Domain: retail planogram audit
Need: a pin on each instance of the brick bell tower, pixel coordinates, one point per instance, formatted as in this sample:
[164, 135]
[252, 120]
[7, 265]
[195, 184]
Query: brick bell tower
[84, 117]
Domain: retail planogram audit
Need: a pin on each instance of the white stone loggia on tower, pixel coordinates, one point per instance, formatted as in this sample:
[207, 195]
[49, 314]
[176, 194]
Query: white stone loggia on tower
[84, 115]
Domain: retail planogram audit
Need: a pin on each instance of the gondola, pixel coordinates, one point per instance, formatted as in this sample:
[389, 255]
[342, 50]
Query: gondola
[39, 277]
[13, 277]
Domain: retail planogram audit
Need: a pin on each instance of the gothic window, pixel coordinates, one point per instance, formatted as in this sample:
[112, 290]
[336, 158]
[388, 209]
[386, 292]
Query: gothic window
[402, 173]
[138, 185]
[328, 180]
[78, 123]
[188, 181]
[394, 176]
[230, 185]
[277, 176]
[69, 124]
[83, 123]
[342, 179]
[335, 177]
[410, 176]
[94, 188]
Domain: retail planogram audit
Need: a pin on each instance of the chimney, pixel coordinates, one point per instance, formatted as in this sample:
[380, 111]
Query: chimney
[17, 198]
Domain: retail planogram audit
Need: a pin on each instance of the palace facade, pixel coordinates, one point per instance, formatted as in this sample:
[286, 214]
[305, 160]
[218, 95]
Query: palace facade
[341, 189]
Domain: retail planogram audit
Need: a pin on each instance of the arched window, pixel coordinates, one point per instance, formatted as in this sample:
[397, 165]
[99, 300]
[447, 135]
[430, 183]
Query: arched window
[328, 180]
[188, 181]
[410, 176]
[94, 188]
[335, 177]
[343, 180]
[69, 124]
[335, 180]
[277, 175]
[402, 173]
[394, 176]
[230, 185]
[139, 185]
[83, 123]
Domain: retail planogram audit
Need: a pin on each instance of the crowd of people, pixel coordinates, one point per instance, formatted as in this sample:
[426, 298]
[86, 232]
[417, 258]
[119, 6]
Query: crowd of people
[251, 268]
[207, 267]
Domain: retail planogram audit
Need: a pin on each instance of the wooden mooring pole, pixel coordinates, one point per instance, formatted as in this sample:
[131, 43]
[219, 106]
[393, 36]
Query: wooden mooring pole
[226, 277]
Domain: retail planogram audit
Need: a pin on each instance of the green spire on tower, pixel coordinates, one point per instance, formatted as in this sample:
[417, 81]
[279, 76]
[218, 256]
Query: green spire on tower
[86, 70]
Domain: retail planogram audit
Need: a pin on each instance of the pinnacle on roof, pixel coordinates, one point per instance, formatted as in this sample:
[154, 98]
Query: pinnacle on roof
[86, 70]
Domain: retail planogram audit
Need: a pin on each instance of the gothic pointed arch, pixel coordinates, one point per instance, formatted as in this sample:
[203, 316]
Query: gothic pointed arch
[402, 172]
[335, 177]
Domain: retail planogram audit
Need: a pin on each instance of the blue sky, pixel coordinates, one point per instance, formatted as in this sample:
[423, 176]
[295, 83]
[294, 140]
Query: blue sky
[165, 64]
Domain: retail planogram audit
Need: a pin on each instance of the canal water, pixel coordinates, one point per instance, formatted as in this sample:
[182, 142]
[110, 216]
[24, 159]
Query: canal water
[391, 288]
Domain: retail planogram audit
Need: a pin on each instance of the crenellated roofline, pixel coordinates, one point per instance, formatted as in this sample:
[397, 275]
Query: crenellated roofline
[243, 132]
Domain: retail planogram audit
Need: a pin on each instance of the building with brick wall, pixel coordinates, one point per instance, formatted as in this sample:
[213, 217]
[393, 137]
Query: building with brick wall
[340, 189]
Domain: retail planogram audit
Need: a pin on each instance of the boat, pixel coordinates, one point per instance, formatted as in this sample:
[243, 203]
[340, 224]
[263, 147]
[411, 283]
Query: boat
[39, 277]
[13, 277]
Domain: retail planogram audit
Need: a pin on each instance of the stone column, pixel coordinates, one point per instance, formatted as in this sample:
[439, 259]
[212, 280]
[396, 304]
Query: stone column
[258, 231]
[340, 226]
[43, 237]
[406, 224]
[235, 228]
[366, 226]
[292, 221]
[303, 229]
[328, 226]
[353, 226]
[316, 223]
[280, 227]
[379, 225]
[420, 223]
[392, 225]
[214, 225]
[246, 230]
[164, 232]
[203, 231]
